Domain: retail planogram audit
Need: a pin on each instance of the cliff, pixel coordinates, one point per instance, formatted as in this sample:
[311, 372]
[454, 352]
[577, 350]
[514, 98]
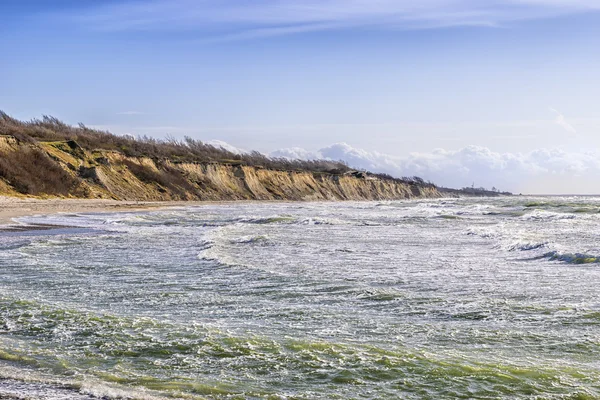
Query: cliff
[65, 169]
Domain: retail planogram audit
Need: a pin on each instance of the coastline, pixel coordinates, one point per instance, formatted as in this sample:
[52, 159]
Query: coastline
[15, 207]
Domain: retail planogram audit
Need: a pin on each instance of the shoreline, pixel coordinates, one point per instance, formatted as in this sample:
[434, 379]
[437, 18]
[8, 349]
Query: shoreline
[12, 208]
[16, 207]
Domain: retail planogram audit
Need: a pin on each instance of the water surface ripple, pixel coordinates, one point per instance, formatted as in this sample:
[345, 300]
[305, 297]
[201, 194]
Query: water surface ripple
[439, 299]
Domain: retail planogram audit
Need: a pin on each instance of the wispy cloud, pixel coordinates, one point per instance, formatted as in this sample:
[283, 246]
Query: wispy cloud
[561, 121]
[130, 113]
[237, 19]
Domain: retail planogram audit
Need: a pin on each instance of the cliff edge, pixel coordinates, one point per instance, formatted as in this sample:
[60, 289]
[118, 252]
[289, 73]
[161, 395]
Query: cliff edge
[63, 168]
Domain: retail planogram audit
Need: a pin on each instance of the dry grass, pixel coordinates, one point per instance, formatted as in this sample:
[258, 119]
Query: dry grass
[32, 172]
[50, 129]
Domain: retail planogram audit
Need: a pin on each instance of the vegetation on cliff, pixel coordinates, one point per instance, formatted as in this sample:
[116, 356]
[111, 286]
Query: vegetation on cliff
[47, 157]
[50, 129]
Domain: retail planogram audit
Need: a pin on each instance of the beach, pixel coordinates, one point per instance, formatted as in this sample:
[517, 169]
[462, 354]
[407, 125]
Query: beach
[15, 207]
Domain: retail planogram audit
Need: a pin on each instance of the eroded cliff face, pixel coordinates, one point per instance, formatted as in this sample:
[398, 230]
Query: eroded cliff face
[65, 169]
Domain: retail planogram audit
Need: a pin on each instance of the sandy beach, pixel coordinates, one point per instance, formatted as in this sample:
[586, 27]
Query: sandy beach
[14, 207]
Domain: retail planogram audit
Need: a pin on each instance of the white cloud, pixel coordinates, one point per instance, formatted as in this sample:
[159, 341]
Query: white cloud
[561, 121]
[226, 146]
[237, 19]
[539, 171]
[295, 153]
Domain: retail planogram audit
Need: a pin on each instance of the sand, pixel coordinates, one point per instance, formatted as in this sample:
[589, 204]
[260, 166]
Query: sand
[13, 207]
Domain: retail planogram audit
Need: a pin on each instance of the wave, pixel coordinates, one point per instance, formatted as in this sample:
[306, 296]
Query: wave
[543, 215]
[27, 326]
[278, 219]
[205, 244]
[527, 246]
[289, 220]
[381, 295]
[505, 213]
[555, 204]
[15, 245]
[530, 244]
[484, 232]
[18, 385]
[567, 210]
[261, 239]
[36, 386]
[567, 258]
[538, 204]
[448, 216]
[572, 258]
[319, 221]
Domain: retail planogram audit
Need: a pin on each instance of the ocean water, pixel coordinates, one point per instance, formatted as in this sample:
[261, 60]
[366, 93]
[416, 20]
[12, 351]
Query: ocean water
[433, 299]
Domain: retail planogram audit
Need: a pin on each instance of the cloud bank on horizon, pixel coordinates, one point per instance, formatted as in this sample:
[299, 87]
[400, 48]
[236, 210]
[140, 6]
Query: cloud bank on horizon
[533, 172]
[237, 19]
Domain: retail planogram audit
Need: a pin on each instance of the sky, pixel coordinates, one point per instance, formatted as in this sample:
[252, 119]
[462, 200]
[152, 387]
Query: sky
[496, 93]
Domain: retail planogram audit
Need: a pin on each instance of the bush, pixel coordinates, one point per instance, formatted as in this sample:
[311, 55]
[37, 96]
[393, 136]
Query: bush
[32, 172]
[189, 150]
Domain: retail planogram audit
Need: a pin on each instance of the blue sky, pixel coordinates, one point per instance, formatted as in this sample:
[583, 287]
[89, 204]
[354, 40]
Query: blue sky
[394, 79]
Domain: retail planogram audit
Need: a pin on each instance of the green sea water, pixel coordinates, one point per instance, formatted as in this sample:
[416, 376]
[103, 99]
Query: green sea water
[455, 298]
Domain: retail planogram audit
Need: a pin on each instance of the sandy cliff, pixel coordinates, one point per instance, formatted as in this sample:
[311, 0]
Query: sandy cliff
[65, 169]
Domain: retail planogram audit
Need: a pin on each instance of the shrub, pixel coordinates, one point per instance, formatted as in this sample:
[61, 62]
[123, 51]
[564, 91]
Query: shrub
[31, 171]
[188, 150]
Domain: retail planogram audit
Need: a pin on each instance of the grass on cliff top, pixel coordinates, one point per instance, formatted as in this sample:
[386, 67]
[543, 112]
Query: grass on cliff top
[50, 129]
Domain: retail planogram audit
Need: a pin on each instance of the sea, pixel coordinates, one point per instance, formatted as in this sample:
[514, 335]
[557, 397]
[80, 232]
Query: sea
[467, 298]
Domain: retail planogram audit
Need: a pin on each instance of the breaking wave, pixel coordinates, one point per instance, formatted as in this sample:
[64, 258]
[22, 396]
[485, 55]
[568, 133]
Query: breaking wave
[572, 258]
[528, 246]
